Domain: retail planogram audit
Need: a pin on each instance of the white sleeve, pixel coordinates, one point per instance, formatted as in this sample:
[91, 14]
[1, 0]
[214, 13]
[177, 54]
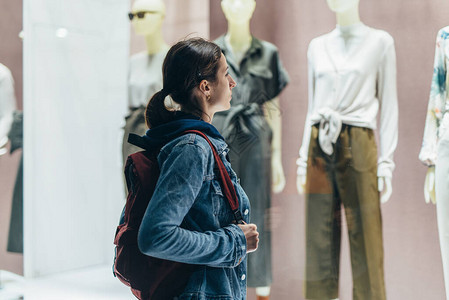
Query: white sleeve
[7, 103]
[388, 100]
[428, 153]
[303, 151]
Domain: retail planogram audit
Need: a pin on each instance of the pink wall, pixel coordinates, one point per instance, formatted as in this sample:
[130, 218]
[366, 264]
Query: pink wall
[412, 255]
[10, 56]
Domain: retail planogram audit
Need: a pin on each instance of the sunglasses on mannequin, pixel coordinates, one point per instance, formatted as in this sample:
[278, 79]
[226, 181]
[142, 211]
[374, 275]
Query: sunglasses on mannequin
[140, 14]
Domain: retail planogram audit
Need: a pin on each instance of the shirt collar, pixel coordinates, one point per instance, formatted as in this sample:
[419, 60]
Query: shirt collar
[256, 46]
[353, 30]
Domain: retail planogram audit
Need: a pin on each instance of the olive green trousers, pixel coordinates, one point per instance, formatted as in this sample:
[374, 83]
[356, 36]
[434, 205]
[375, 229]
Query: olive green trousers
[347, 178]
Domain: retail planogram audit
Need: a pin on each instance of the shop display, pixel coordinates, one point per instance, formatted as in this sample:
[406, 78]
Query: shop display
[7, 105]
[7, 116]
[252, 127]
[435, 148]
[352, 79]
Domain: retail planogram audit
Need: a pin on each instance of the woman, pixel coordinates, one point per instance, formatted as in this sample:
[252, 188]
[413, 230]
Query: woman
[188, 220]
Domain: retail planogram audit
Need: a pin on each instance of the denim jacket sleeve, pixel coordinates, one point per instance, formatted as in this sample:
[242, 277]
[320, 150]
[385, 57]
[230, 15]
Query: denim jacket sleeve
[178, 188]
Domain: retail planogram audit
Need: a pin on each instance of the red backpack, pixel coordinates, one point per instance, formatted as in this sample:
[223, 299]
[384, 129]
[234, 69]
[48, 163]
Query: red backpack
[150, 277]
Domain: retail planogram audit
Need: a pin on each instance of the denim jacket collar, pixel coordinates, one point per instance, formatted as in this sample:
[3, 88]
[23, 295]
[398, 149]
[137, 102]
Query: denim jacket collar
[160, 135]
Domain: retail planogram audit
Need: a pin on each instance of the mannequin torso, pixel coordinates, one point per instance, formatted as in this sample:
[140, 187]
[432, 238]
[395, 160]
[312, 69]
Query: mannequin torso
[239, 39]
[346, 48]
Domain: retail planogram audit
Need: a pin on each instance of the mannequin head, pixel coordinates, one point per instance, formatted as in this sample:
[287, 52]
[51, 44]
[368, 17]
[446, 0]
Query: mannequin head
[341, 6]
[154, 13]
[238, 11]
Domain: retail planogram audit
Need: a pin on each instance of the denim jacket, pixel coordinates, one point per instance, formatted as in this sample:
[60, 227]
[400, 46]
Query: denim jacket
[190, 221]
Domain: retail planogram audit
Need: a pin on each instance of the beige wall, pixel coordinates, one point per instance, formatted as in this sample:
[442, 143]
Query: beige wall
[10, 56]
[412, 256]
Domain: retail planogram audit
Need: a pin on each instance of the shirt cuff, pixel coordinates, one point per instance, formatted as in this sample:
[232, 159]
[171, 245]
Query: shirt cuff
[240, 243]
[385, 169]
[428, 157]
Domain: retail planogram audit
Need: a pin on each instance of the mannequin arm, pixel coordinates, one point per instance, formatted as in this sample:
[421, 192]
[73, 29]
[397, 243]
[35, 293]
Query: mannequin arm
[435, 108]
[7, 105]
[5, 125]
[385, 188]
[273, 116]
[301, 184]
[429, 186]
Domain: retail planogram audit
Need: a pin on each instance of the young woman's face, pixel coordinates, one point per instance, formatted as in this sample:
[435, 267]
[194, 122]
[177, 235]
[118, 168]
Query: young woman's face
[221, 89]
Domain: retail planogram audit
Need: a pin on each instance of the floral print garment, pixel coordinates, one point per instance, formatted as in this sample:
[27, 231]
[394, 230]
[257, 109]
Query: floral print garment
[438, 101]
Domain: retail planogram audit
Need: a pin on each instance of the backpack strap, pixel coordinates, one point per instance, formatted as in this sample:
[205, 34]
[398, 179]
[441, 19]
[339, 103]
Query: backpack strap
[228, 186]
[136, 140]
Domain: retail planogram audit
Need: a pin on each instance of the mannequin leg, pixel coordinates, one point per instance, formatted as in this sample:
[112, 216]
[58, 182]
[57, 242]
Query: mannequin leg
[263, 293]
[322, 226]
[252, 165]
[357, 184]
[442, 196]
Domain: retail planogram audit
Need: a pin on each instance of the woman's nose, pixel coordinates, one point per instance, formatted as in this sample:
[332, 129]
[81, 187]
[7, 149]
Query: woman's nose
[232, 82]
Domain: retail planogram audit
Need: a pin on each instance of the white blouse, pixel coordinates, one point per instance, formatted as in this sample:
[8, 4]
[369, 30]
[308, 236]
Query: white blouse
[7, 103]
[437, 120]
[145, 77]
[352, 77]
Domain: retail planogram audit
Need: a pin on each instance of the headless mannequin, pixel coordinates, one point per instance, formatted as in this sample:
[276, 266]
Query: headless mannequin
[347, 13]
[238, 14]
[435, 150]
[347, 34]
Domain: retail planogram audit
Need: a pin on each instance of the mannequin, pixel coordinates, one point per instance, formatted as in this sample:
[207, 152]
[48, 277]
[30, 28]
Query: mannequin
[347, 13]
[252, 127]
[435, 148]
[145, 71]
[7, 105]
[352, 78]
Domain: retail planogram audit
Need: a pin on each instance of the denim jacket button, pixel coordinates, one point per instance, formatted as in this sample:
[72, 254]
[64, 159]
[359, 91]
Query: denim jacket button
[243, 277]
[246, 212]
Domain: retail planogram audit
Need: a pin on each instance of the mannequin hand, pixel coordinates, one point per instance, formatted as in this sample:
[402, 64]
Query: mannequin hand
[277, 175]
[429, 186]
[251, 235]
[3, 142]
[301, 184]
[385, 188]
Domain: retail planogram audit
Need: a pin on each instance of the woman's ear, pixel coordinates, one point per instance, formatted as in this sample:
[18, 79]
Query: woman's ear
[205, 88]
